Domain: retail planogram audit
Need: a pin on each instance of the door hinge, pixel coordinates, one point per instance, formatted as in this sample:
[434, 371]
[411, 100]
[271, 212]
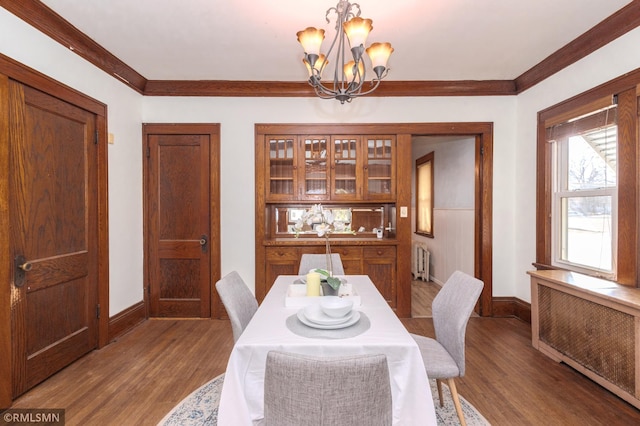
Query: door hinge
[148, 151]
[95, 140]
[98, 311]
[482, 150]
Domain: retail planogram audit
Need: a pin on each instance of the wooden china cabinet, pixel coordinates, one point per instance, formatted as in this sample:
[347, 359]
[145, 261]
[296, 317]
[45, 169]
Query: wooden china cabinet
[350, 169]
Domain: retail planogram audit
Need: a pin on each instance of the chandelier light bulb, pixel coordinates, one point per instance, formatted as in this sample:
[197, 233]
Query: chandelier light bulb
[357, 31]
[311, 39]
[379, 54]
[351, 74]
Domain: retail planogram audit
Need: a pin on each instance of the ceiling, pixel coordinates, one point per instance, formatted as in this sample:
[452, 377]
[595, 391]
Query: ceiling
[255, 40]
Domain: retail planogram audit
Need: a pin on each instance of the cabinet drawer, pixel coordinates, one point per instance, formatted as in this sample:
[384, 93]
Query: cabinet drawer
[281, 253]
[348, 253]
[380, 251]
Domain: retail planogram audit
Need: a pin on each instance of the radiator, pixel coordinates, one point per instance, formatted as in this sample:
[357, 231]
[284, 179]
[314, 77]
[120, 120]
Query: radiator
[420, 262]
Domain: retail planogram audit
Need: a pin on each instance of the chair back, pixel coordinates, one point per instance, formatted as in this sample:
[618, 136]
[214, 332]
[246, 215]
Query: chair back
[319, 261]
[238, 301]
[304, 390]
[451, 309]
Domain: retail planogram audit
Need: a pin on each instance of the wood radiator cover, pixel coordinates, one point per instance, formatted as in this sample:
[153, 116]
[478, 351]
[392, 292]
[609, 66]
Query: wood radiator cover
[598, 337]
[590, 324]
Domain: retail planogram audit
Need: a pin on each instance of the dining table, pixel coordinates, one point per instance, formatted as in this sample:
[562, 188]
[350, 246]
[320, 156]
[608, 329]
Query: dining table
[277, 325]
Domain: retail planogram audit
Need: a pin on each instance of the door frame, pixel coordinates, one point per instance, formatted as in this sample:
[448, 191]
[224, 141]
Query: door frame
[483, 229]
[11, 69]
[213, 130]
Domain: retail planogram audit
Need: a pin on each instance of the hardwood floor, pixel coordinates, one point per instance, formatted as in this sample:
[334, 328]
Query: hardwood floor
[422, 294]
[139, 378]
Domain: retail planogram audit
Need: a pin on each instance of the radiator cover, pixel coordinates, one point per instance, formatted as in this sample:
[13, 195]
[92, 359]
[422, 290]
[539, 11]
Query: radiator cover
[598, 337]
[590, 324]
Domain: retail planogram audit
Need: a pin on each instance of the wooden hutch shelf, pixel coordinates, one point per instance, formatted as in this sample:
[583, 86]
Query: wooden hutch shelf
[348, 168]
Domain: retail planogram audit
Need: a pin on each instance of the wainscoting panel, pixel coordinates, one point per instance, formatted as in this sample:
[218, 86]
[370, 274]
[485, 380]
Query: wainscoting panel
[452, 246]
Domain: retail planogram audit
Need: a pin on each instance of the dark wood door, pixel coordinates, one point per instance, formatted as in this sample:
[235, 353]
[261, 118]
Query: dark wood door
[53, 210]
[179, 211]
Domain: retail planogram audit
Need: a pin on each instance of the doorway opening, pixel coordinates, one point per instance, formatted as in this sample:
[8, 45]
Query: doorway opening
[480, 136]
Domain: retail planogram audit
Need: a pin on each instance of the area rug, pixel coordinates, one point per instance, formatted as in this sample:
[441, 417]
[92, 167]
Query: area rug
[200, 408]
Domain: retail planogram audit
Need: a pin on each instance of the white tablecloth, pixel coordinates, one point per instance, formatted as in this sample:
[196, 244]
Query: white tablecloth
[241, 401]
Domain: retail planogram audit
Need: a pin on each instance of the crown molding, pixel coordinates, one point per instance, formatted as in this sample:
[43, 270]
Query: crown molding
[303, 89]
[55, 26]
[616, 25]
[50, 23]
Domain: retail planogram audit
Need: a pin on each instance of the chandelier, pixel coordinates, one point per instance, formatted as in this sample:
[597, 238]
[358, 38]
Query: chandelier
[349, 73]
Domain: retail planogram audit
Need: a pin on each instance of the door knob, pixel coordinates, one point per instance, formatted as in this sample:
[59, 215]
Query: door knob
[26, 266]
[203, 240]
[22, 266]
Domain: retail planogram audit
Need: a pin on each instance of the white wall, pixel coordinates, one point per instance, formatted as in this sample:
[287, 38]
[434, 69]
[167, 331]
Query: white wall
[514, 121]
[22, 43]
[609, 62]
[238, 117]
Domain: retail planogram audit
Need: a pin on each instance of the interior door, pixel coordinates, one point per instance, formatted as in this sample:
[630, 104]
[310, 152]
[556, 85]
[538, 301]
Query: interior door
[53, 211]
[179, 212]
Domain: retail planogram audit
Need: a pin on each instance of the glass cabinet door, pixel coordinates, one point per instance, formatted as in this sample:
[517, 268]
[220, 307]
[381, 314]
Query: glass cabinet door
[345, 168]
[315, 173]
[281, 167]
[380, 170]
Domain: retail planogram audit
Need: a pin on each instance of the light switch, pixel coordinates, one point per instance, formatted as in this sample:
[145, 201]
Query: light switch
[111, 138]
[403, 211]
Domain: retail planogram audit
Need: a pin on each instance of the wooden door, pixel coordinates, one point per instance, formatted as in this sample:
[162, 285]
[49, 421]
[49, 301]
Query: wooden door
[53, 211]
[182, 250]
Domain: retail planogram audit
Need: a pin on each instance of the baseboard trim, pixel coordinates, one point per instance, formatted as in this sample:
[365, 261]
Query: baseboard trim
[126, 320]
[511, 307]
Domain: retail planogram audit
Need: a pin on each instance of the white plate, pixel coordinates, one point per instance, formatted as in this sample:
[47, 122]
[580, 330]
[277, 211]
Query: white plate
[315, 314]
[354, 319]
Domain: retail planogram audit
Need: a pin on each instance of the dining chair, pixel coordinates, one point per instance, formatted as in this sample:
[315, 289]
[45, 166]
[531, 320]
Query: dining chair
[313, 261]
[444, 356]
[301, 390]
[238, 301]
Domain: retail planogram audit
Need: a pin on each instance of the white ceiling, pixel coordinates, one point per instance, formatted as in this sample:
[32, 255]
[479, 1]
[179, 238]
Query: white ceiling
[256, 39]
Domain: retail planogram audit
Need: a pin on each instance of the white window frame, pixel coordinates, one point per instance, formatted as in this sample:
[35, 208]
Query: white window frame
[559, 191]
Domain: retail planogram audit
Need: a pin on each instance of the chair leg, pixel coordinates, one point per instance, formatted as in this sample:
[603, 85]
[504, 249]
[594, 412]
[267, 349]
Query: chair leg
[439, 384]
[456, 401]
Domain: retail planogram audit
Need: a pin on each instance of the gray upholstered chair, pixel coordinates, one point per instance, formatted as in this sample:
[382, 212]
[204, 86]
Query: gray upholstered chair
[311, 261]
[444, 356]
[304, 390]
[238, 300]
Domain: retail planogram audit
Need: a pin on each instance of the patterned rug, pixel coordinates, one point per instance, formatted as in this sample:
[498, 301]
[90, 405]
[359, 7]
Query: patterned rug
[201, 408]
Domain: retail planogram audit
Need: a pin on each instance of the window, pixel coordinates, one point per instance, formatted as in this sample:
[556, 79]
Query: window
[424, 195]
[584, 203]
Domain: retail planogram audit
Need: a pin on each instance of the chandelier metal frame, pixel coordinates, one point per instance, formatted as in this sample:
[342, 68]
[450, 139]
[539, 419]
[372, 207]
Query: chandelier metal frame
[349, 74]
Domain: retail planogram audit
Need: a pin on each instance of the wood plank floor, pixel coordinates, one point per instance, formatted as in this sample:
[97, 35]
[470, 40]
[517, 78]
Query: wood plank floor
[139, 378]
[422, 294]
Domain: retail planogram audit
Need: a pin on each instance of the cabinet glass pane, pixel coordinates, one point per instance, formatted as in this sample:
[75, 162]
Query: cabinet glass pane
[379, 156]
[315, 166]
[281, 165]
[344, 155]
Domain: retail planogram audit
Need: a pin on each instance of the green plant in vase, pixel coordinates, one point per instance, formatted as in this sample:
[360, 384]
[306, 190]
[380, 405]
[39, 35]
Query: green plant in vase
[334, 282]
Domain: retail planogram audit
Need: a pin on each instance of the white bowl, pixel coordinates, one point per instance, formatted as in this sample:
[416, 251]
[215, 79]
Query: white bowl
[335, 307]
